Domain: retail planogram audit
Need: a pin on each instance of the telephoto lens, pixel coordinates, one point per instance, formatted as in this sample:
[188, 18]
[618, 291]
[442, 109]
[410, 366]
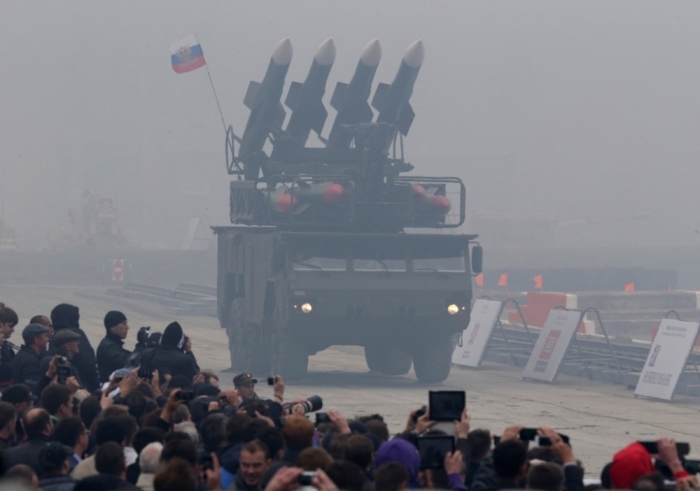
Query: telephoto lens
[313, 403]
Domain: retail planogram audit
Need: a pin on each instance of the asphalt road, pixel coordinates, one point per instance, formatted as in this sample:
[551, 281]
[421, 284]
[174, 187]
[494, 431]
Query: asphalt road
[599, 418]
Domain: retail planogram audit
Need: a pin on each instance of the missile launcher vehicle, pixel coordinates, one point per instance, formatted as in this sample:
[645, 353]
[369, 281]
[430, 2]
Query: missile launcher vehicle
[326, 246]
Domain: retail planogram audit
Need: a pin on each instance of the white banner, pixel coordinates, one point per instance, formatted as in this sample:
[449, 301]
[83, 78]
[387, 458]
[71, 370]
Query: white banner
[476, 337]
[667, 358]
[550, 349]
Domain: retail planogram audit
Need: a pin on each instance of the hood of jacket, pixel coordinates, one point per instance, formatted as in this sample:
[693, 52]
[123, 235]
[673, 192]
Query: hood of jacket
[65, 316]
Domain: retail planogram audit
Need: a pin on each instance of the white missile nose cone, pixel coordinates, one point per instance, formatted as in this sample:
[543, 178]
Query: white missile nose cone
[325, 54]
[372, 53]
[282, 55]
[414, 54]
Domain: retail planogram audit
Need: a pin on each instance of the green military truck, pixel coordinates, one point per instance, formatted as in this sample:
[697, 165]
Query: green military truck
[327, 245]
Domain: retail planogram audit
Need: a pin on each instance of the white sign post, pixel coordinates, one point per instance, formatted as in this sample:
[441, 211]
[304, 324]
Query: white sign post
[475, 338]
[552, 345]
[667, 359]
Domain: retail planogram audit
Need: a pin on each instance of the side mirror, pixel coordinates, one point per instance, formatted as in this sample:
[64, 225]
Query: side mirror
[477, 259]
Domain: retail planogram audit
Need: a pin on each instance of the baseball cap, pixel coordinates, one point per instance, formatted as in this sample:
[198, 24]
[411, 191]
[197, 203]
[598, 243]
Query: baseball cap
[17, 394]
[243, 379]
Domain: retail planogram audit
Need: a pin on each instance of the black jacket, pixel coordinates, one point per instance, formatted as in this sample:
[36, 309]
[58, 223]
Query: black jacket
[6, 354]
[57, 483]
[48, 356]
[172, 358]
[26, 368]
[66, 316]
[111, 356]
[26, 453]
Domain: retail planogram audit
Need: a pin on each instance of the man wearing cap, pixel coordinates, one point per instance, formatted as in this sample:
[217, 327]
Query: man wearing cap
[26, 365]
[65, 343]
[111, 355]
[64, 316]
[245, 385]
[54, 467]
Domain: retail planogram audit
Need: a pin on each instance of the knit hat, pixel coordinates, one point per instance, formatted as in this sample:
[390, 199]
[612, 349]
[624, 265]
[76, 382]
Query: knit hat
[65, 316]
[173, 336]
[114, 318]
[403, 452]
[629, 464]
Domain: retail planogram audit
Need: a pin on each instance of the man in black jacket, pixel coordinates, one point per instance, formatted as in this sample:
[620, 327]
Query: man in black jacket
[64, 316]
[38, 425]
[8, 321]
[174, 353]
[111, 355]
[65, 343]
[26, 365]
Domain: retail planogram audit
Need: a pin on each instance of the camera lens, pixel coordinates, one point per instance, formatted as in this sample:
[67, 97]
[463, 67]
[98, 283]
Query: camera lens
[313, 403]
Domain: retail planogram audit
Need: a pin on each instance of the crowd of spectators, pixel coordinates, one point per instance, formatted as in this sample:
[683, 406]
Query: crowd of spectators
[72, 418]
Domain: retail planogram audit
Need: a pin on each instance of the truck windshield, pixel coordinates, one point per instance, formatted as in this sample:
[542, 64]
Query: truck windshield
[319, 264]
[398, 265]
[444, 264]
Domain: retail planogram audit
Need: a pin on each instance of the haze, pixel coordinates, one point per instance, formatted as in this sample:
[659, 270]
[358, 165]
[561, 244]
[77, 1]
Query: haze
[579, 110]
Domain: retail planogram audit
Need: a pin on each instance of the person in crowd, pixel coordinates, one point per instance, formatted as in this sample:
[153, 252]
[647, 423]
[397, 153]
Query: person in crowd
[23, 475]
[65, 316]
[71, 432]
[346, 475]
[6, 378]
[391, 476]
[20, 396]
[26, 365]
[66, 344]
[244, 383]
[311, 459]
[42, 319]
[54, 468]
[149, 460]
[173, 354]
[8, 423]
[360, 451]
[58, 401]
[178, 475]
[8, 321]
[109, 429]
[545, 476]
[109, 461]
[254, 463]
[111, 355]
[480, 444]
[39, 428]
[298, 434]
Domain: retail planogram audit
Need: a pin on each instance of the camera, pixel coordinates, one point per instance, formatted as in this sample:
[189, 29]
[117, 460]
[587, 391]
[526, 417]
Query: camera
[306, 478]
[142, 335]
[145, 372]
[271, 380]
[185, 395]
[446, 405]
[433, 449]
[63, 372]
[313, 403]
[207, 463]
[322, 418]
[419, 413]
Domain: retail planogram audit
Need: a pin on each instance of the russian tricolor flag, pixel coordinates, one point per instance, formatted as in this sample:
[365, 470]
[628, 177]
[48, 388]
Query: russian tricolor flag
[187, 55]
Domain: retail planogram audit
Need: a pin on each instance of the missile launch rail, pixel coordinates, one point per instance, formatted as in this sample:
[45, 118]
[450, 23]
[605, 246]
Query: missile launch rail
[319, 254]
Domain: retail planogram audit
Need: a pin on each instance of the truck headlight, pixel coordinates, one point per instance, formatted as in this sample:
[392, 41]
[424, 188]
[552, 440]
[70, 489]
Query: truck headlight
[453, 309]
[306, 307]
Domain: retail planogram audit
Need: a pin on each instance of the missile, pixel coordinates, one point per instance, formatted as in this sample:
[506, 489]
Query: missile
[392, 100]
[308, 112]
[350, 100]
[266, 111]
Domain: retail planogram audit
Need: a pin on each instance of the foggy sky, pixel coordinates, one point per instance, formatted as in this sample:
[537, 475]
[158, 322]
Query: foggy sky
[579, 110]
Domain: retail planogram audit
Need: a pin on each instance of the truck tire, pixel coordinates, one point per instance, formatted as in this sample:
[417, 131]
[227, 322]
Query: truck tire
[294, 361]
[386, 360]
[432, 360]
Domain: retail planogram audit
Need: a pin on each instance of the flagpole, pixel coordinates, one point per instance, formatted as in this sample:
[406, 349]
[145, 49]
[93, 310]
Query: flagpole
[221, 113]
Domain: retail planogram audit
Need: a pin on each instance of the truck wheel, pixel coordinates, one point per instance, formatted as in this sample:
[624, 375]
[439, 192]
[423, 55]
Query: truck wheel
[294, 361]
[386, 360]
[432, 361]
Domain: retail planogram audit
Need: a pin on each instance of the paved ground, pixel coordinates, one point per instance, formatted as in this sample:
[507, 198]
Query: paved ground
[599, 418]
